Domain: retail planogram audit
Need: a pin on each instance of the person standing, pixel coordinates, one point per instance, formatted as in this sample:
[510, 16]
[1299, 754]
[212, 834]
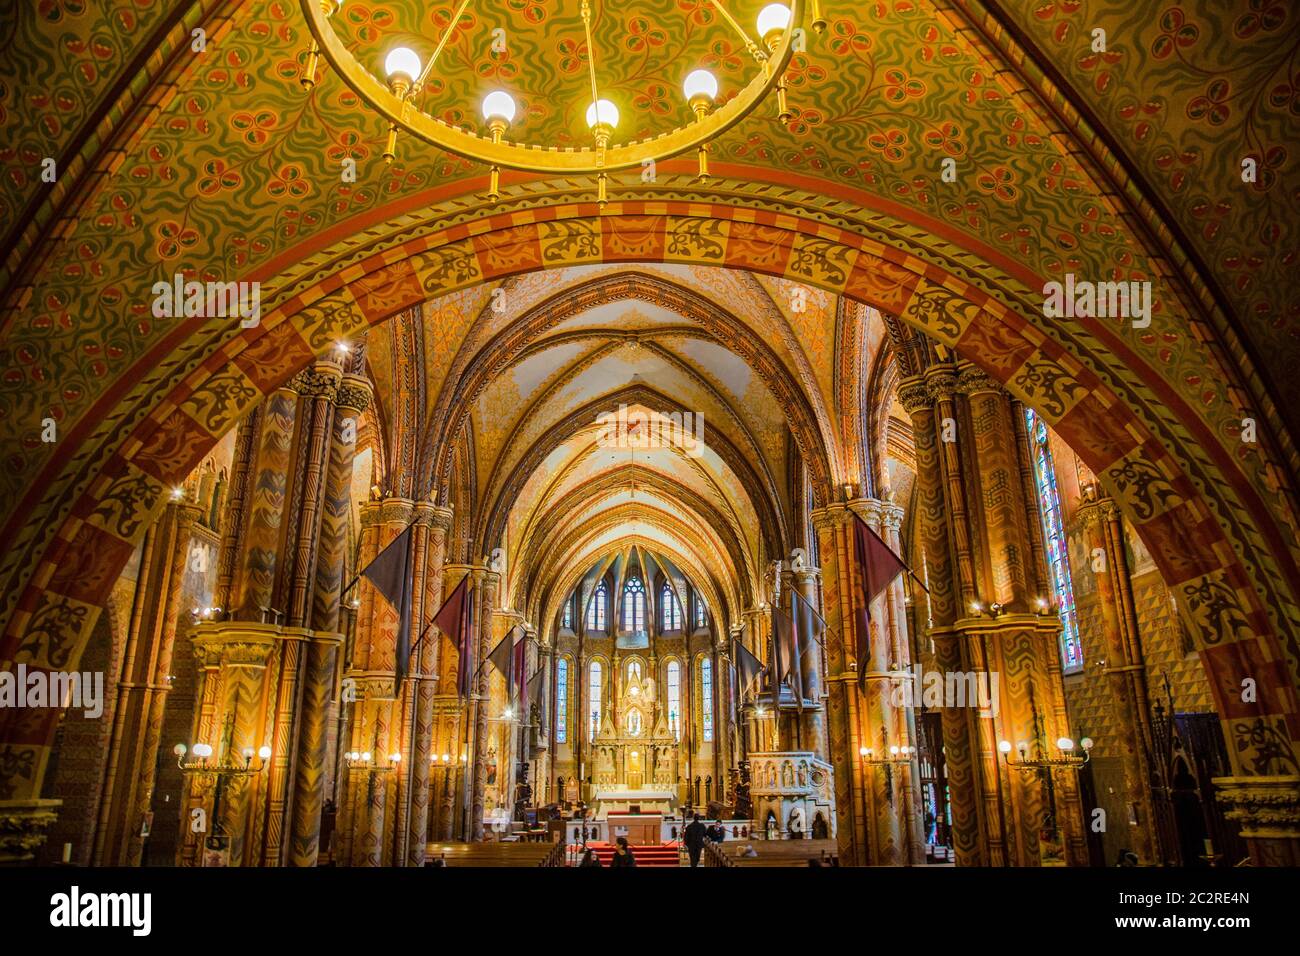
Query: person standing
[694, 839]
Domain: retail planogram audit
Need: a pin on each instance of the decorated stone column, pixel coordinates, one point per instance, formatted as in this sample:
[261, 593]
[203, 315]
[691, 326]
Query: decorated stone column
[1125, 670]
[375, 726]
[455, 718]
[807, 583]
[843, 717]
[431, 553]
[891, 520]
[142, 686]
[993, 626]
[920, 398]
[485, 596]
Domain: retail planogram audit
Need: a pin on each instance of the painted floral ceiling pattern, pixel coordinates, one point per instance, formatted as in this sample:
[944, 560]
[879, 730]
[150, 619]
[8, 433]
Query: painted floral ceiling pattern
[1190, 90]
[230, 170]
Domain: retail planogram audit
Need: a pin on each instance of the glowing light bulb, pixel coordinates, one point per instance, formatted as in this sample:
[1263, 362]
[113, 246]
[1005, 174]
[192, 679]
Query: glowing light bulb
[402, 61]
[602, 111]
[499, 105]
[700, 83]
[773, 17]
[1065, 743]
[1004, 746]
[264, 752]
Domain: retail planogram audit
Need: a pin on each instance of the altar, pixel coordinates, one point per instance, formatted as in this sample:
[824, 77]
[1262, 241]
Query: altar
[610, 800]
[641, 829]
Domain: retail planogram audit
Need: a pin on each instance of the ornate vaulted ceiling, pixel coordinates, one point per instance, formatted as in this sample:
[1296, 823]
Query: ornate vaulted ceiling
[521, 371]
[1124, 164]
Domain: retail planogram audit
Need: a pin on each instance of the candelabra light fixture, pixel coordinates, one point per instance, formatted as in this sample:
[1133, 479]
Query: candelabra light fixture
[1072, 756]
[197, 762]
[779, 29]
[896, 754]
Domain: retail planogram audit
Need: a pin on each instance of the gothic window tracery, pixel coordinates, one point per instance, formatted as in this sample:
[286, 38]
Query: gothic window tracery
[561, 700]
[675, 699]
[706, 697]
[596, 609]
[634, 605]
[593, 714]
[672, 617]
[1058, 560]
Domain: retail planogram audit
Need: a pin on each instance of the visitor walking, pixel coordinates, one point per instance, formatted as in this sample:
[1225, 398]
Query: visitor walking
[694, 839]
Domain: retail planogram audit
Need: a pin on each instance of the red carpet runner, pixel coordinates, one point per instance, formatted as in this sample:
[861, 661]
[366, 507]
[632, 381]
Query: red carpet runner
[665, 854]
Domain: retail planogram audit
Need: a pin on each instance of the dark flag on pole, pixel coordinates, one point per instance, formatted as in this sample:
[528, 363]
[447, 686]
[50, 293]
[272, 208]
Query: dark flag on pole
[454, 620]
[809, 626]
[507, 657]
[785, 653]
[749, 667]
[519, 670]
[877, 568]
[535, 692]
[390, 573]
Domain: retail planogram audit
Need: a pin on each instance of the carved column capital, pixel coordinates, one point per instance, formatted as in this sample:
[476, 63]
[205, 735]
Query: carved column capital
[914, 396]
[941, 383]
[354, 393]
[1266, 807]
[24, 825]
[972, 379]
[317, 381]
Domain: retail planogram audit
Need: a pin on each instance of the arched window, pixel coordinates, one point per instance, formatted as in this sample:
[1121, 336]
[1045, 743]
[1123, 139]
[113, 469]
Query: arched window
[596, 609]
[675, 699]
[562, 700]
[672, 609]
[706, 697]
[1058, 559]
[634, 605]
[567, 619]
[699, 612]
[593, 715]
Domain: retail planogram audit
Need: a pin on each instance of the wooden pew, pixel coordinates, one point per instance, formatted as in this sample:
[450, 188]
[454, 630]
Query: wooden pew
[497, 854]
[779, 852]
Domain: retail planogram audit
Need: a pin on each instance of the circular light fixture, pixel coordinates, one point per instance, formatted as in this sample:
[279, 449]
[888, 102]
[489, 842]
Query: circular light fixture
[264, 752]
[1004, 746]
[395, 96]
[1065, 743]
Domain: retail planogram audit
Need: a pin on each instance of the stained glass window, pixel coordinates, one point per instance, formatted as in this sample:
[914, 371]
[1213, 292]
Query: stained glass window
[675, 699]
[699, 612]
[561, 700]
[593, 716]
[567, 620]
[672, 609]
[706, 697]
[634, 605]
[596, 609]
[1058, 559]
